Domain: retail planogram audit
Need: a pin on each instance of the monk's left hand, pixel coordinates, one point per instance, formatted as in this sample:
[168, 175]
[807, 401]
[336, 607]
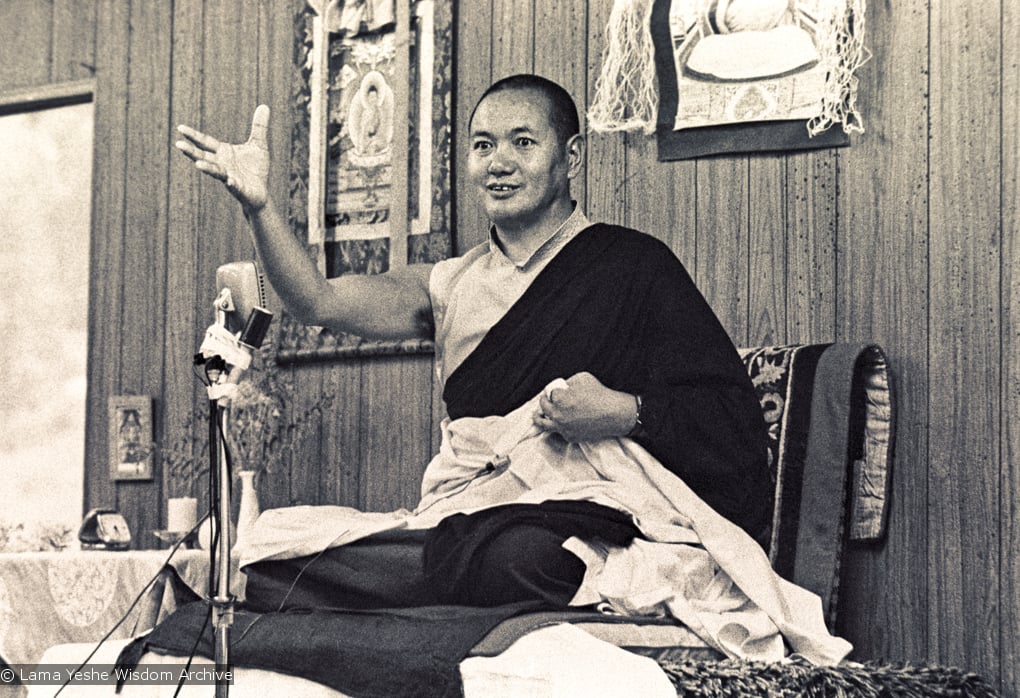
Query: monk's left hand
[586, 410]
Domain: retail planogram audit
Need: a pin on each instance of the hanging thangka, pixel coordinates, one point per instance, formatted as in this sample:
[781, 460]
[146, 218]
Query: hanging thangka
[371, 171]
[733, 75]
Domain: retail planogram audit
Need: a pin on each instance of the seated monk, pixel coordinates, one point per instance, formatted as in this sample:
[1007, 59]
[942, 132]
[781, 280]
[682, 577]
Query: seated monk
[595, 330]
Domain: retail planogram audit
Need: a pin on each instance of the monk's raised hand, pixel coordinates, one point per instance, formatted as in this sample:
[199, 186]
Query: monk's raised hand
[242, 167]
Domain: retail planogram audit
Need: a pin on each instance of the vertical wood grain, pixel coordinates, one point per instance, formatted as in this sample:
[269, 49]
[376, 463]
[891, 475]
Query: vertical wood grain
[395, 443]
[882, 295]
[964, 354]
[144, 272]
[810, 196]
[74, 40]
[106, 254]
[722, 270]
[767, 256]
[304, 460]
[553, 21]
[472, 73]
[147, 154]
[26, 51]
[668, 197]
[184, 400]
[341, 452]
[513, 37]
[1009, 424]
[606, 170]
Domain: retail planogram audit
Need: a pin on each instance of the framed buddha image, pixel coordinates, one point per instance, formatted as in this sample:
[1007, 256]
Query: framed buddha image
[130, 437]
[373, 149]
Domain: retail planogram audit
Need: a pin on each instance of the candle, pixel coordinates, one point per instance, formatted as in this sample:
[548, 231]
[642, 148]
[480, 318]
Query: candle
[181, 514]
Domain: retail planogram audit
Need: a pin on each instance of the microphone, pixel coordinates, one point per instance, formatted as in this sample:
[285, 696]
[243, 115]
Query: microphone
[247, 289]
[254, 332]
[242, 321]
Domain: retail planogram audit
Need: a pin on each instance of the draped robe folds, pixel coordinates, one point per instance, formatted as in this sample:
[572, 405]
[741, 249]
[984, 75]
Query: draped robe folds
[619, 304]
[690, 563]
[616, 303]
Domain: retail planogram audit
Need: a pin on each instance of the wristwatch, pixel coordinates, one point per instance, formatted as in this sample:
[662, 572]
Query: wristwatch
[639, 428]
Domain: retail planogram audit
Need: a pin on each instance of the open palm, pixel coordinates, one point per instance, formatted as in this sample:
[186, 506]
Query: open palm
[243, 167]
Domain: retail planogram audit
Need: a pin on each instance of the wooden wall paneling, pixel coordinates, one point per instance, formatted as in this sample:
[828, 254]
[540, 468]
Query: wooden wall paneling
[1009, 433]
[964, 353]
[106, 253]
[147, 157]
[396, 420]
[230, 95]
[472, 74]
[145, 229]
[810, 202]
[74, 40]
[561, 55]
[513, 37]
[310, 438]
[606, 177]
[606, 170]
[300, 477]
[26, 53]
[882, 296]
[231, 43]
[767, 256]
[722, 241]
[276, 73]
[188, 308]
[664, 196]
[341, 480]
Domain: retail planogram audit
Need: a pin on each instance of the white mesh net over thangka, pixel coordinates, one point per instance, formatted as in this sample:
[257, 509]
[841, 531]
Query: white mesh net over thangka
[626, 91]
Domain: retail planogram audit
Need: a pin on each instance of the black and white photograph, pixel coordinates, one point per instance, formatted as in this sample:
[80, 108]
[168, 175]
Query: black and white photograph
[510, 348]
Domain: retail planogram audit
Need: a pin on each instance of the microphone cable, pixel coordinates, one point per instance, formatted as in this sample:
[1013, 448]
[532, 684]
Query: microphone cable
[134, 603]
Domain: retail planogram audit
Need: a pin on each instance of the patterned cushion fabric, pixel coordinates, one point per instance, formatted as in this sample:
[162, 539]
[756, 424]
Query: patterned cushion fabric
[783, 377]
[830, 413]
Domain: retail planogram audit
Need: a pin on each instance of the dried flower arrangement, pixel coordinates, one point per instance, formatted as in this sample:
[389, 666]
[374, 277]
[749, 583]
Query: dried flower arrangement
[264, 428]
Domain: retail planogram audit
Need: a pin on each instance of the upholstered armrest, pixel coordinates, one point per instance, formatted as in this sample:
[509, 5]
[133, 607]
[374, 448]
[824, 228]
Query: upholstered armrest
[875, 403]
[831, 417]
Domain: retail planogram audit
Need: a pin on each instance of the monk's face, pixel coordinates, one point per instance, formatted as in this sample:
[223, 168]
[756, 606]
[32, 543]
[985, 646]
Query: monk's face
[517, 162]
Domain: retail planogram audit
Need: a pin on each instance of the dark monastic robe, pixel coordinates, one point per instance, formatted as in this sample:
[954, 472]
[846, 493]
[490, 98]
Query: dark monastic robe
[619, 304]
[614, 302]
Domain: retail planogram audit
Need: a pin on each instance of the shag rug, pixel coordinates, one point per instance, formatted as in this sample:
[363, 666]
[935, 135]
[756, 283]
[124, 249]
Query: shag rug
[737, 679]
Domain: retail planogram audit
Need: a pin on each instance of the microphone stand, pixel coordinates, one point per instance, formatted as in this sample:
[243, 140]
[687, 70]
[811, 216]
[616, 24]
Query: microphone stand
[221, 598]
[227, 357]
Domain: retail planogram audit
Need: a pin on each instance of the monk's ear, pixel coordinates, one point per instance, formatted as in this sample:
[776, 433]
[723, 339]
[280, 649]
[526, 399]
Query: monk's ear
[575, 155]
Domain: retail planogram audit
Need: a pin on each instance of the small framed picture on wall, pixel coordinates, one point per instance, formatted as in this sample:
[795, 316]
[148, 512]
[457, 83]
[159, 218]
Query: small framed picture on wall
[130, 429]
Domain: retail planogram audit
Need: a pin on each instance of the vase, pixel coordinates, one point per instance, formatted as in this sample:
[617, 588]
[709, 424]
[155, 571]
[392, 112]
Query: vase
[248, 510]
